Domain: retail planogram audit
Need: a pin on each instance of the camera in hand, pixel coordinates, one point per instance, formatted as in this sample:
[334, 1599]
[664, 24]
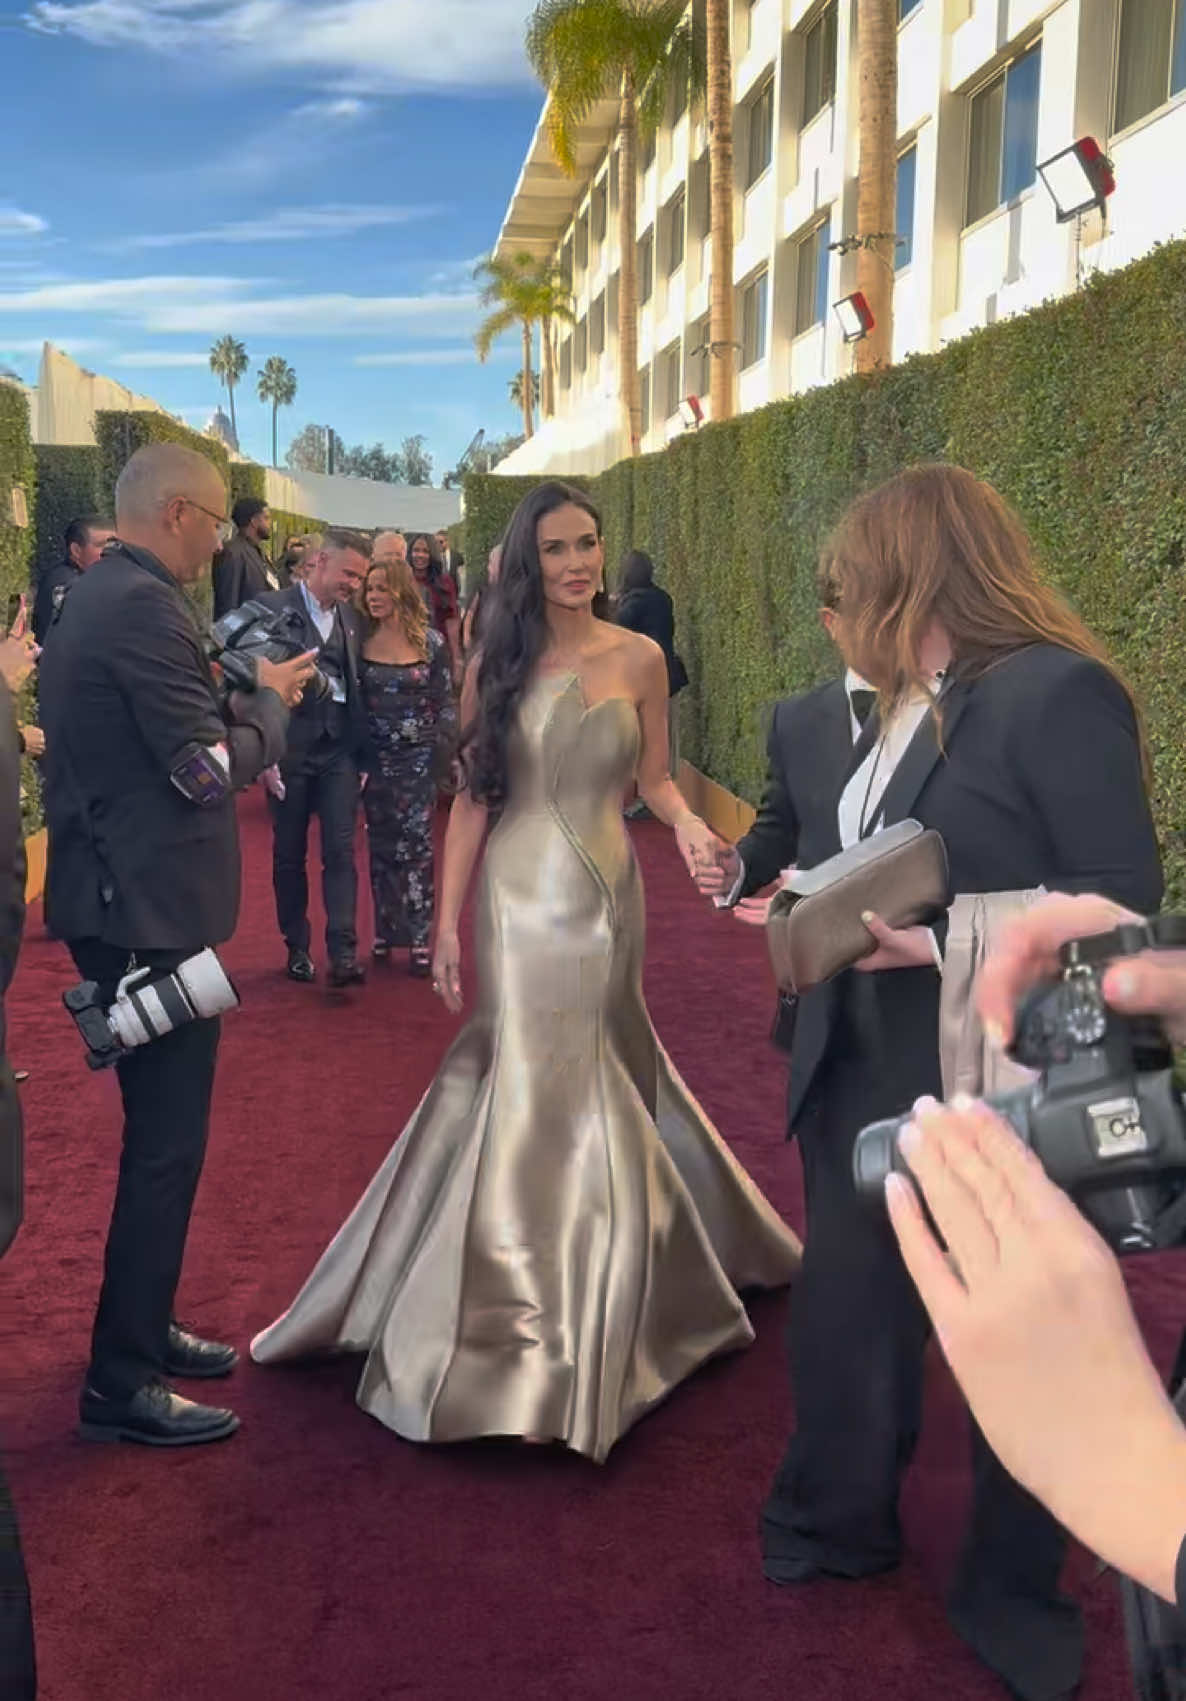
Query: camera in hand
[148, 1004]
[244, 635]
[1106, 1115]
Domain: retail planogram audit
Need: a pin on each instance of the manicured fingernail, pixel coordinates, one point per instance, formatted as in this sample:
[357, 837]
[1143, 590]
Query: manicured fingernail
[896, 1186]
[924, 1105]
[909, 1140]
[994, 1033]
[963, 1102]
[867, 916]
[1123, 984]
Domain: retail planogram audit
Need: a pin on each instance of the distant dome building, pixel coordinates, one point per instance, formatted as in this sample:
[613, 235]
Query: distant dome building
[219, 426]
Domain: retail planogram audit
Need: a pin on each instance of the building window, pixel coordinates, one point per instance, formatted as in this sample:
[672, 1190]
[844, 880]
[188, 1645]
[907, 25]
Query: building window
[1003, 156]
[819, 63]
[753, 319]
[811, 278]
[676, 208]
[646, 266]
[760, 133]
[597, 327]
[699, 358]
[614, 179]
[671, 379]
[747, 24]
[699, 208]
[644, 399]
[581, 344]
[566, 263]
[582, 242]
[904, 216]
[646, 153]
[679, 100]
[905, 7]
[597, 215]
[566, 364]
[1151, 65]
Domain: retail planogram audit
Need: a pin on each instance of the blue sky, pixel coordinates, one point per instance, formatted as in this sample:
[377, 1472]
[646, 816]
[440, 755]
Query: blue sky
[315, 177]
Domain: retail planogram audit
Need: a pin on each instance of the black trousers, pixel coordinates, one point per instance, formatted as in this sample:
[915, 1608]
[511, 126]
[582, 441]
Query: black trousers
[166, 1088]
[856, 1338]
[324, 782]
[18, 1667]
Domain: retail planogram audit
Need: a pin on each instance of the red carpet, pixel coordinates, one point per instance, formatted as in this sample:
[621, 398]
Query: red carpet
[316, 1556]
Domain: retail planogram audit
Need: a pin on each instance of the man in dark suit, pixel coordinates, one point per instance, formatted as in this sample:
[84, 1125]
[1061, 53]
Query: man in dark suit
[242, 570]
[17, 1660]
[320, 771]
[144, 867]
[84, 542]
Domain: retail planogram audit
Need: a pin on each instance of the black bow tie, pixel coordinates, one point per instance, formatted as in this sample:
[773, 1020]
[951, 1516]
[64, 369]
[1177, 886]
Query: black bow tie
[862, 704]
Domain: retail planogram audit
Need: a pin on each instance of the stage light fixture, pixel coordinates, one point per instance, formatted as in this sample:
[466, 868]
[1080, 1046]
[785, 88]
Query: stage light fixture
[855, 317]
[691, 413]
[1078, 178]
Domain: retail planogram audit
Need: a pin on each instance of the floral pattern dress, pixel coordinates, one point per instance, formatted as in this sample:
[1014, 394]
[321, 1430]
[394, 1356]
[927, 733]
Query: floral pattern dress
[412, 723]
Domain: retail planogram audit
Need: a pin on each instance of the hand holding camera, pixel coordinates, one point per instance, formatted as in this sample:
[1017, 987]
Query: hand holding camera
[287, 679]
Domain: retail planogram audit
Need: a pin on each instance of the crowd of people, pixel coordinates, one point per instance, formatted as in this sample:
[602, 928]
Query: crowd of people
[559, 1236]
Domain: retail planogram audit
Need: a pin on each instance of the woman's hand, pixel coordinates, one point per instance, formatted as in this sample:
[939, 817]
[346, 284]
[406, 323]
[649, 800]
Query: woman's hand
[897, 947]
[446, 971]
[753, 911]
[18, 654]
[698, 845]
[1031, 1311]
[34, 741]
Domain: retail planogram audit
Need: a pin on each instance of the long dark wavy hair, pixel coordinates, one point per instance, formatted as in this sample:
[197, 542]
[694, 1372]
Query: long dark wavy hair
[514, 637]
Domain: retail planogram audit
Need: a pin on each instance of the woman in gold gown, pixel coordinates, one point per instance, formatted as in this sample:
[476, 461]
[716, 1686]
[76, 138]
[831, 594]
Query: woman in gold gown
[559, 1236]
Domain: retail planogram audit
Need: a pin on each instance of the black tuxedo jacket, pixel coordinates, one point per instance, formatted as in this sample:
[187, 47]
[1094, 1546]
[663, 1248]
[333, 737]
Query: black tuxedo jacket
[241, 572]
[1038, 783]
[125, 687]
[308, 718]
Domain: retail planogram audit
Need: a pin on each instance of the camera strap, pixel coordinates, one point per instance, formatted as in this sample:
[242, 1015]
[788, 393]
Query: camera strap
[1157, 933]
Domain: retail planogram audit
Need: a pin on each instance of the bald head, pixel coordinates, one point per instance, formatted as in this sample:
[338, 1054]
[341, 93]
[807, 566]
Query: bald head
[172, 502]
[389, 546]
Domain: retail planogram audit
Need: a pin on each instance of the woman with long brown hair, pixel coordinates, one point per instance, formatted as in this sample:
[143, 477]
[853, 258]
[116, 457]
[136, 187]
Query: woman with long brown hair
[412, 722]
[1002, 725]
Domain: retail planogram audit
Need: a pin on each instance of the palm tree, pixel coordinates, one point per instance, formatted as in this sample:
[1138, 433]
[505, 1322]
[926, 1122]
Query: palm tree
[723, 354]
[228, 361]
[877, 44]
[635, 52]
[515, 390]
[521, 290]
[277, 384]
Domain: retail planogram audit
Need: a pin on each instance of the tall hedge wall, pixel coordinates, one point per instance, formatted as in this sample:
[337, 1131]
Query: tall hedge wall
[69, 485]
[18, 471]
[1075, 412]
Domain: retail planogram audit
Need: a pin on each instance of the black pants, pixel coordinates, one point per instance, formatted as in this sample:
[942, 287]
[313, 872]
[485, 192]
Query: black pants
[18, 1670]
[856, 1338]
[166, 1088]
[323, 781]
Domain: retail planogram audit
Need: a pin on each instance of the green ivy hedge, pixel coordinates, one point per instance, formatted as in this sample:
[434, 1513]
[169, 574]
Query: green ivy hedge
[69, 485]
[18, 472]
[1075, 412]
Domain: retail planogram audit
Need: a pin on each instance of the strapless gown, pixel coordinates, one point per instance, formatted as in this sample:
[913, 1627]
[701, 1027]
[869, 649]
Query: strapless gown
[559, 1236]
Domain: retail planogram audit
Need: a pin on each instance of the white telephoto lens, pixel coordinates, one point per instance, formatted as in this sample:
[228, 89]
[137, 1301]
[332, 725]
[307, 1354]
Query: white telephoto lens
[207, 985]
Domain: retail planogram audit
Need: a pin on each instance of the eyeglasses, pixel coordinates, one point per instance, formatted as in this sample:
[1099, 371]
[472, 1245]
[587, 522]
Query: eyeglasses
[224, 528]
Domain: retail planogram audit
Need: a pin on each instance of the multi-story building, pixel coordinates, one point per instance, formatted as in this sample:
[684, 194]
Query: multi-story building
[987, 91]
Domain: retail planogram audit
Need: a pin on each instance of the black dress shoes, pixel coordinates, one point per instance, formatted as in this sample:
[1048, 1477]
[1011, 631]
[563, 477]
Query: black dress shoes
[300, 967]
[347, 971]
[155, 1417]
[189, 1356]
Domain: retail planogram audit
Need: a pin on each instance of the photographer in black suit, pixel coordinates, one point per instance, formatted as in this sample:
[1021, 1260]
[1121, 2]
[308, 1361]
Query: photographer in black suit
[17, 1662]
[320, 771]
[144, 867]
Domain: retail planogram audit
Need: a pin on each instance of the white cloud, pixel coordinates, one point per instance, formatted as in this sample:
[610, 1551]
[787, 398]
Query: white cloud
[14, 222]
[377, 45]
[419, 357]
[171, 305]
[288, 224]
[163, 358]
[345, 110]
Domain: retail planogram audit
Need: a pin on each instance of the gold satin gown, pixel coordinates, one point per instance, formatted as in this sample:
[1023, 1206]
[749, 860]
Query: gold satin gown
[559, 1235]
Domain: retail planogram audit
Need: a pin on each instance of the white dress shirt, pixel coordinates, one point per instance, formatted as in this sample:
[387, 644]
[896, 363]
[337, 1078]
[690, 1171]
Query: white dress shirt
[323, 619]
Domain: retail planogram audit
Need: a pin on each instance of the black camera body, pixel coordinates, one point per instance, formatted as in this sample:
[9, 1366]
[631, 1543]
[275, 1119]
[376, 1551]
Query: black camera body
[1106, 1117]
[244, 635]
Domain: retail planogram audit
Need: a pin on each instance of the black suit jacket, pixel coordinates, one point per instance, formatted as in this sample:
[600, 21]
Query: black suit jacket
[1038, 783]
[12, 921]
[240, 573]
[650, 610]
[125, 687]
[307, 719]
[52, 588]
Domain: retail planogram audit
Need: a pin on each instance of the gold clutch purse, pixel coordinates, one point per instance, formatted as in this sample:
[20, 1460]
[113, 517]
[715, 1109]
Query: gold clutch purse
[814, 927]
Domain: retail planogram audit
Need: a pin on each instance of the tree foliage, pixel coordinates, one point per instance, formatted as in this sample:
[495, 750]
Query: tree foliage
[228, 362]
